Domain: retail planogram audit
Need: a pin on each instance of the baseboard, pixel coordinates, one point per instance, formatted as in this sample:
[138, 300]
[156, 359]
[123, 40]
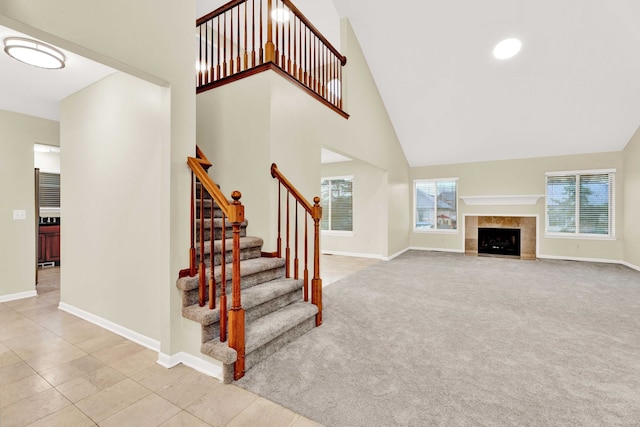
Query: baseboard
[352, 254]
[397, 254]
[582, 259]
[200, 365]
[134, 336]
[457, 251]
[628, 264]
[19, 295]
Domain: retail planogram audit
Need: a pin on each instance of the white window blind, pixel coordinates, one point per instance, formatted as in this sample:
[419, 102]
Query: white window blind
[49, 190]
[436, 206]
[336, 199]
[580, 203]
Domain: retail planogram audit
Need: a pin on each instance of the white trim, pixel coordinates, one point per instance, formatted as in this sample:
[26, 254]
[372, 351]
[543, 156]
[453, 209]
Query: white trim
[530, 199]
[415, 208]
[580, 172]
[581, 259]
[331, 178]
[397, 254]
[352, 254]
[576, 236]
[208, 368]
[628, 264]
[134, 336]
[337, 233]
[19, 295]
[457, 251]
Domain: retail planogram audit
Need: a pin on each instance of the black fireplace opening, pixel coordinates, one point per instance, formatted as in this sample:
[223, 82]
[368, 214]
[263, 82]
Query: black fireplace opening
[499, 241]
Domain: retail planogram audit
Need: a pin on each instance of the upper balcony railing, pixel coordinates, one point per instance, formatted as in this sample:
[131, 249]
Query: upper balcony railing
[247, 36]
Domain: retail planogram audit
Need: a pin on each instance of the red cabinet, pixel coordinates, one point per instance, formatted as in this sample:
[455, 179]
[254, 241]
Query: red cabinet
[49, 244]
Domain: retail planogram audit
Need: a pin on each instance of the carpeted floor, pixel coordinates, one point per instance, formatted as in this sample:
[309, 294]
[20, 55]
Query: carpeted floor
[440, 339]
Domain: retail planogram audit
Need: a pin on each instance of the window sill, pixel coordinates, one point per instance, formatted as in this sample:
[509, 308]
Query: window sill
[434, 231]
[578, 236]
[337, 233]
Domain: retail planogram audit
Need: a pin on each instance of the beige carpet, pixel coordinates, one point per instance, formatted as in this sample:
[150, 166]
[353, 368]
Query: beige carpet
[444, 339]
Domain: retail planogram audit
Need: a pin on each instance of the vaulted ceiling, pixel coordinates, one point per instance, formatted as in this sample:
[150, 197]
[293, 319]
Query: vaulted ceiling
[573, 88]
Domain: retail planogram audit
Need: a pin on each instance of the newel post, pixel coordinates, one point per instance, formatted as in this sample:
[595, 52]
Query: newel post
[269, 48]
[316, 282]
[236, 313]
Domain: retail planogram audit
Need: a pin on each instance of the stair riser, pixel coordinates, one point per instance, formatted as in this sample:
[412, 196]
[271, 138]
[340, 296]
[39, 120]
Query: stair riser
[212, 331]
[191, 297]
[261, 353]
[218, 233]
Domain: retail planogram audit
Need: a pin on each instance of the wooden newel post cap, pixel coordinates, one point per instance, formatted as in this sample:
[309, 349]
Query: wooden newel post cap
[236, 196]
[316, 200]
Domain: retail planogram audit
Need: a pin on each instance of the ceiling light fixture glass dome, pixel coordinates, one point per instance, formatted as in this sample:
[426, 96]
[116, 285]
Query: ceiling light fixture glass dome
[34, 53]
[281, 14]
[507, 48]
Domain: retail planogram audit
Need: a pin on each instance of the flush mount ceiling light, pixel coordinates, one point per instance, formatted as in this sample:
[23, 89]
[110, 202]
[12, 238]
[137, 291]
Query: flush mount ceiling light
[507, 48]
[34, 53]
[280, 14]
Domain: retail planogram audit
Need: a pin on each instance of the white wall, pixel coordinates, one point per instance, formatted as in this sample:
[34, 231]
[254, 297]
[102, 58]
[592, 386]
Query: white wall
[18, 133]
[525, 177]
[369, 185]
[111, 199]
[631, 155]
[47, 162]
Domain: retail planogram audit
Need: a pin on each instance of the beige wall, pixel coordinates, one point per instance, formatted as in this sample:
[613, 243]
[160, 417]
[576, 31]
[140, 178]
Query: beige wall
[631, 156]
[524, 177]
[369, 184]
[111, 198]
[151, 39]
[18, 133]
[246, 126]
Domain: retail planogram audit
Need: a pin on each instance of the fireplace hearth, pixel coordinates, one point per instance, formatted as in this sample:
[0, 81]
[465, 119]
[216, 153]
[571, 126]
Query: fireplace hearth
[499, 241]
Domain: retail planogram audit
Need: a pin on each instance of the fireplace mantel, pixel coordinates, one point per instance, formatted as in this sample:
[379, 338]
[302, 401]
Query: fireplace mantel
[530, 199]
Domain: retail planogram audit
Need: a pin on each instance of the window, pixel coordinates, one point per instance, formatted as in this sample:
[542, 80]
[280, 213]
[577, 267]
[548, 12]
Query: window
[49, 190]
[580, 203]
[436, 204]
[336, 199]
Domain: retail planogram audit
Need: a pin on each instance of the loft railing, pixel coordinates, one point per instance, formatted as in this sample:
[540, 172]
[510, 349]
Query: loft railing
[207, 192]
[313, 212]
[247, 36]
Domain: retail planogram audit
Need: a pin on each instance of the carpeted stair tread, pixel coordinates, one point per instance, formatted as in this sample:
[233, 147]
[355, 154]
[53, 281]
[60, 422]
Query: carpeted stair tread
[217, 223]
[245, 243]
[251, 297]
[248, 267]
[219, 351]
[271, 326]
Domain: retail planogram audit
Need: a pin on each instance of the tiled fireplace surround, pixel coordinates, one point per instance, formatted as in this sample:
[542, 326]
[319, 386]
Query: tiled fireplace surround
[526, 224]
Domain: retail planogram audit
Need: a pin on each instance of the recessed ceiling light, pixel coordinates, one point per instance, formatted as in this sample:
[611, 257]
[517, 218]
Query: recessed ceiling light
[34, 53]
[280, 14]
[507, 48]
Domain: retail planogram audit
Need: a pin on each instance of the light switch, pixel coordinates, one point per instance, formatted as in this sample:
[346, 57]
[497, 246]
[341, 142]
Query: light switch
[19, 214]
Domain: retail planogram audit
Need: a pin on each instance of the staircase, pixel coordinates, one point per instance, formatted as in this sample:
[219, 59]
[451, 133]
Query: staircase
[274, 308]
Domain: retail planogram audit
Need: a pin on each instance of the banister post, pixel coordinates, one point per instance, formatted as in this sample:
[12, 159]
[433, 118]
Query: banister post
[236, 313]
[269, 48]
[316, 282]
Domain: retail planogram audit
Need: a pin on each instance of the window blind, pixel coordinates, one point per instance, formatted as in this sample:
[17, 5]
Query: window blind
[49, 190]
[336, 199]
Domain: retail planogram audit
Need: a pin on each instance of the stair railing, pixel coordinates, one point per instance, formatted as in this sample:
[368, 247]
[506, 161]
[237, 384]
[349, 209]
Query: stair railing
[234, 320]
[243, 36]
[313, 212]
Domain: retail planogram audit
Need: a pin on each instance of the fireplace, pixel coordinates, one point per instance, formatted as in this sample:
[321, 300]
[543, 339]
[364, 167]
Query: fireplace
[499, 241]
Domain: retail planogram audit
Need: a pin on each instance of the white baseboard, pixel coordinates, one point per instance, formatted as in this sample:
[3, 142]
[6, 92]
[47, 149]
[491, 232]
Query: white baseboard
[134, 336]
[628, 264]
[353, 254]
[397, 254]
[208, 368]
[416, 248]
[581, 259]
[19, 295]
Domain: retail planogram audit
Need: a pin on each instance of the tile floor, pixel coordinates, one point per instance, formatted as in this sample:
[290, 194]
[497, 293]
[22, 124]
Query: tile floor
[59, 370]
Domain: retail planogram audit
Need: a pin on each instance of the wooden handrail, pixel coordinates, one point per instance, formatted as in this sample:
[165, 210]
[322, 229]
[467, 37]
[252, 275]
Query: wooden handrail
[315, 213]
[275, 173]
[300, 15]
[241, 36]
[234, 212]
